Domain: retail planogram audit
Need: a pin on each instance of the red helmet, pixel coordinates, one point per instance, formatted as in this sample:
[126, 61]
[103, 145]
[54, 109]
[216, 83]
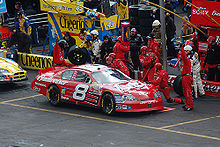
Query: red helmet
[194, 35]
[158, 66]
[211, 38]
[133, 30]
[188, 42]
[112, 55]
[143, 48]
[119, 38]
[108, 59]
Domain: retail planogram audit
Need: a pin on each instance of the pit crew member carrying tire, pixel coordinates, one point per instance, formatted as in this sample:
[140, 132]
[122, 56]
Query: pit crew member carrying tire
[161, 82]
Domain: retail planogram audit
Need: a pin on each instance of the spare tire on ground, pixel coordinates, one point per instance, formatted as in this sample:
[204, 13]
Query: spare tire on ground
[177, 85]
[77, 55]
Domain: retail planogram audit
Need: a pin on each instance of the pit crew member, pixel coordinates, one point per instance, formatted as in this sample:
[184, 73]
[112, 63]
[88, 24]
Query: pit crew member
[117, 63]
[185, 68]
[161, 82]
[96, 45]
[148, 60]
[195, 69]
[153, 45]
[120, 50]
[58, 54]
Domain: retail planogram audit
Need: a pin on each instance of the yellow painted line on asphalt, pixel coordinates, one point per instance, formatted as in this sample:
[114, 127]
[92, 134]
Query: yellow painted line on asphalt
[167, 109]
[115, 121]
[19, 99]
[188, 122]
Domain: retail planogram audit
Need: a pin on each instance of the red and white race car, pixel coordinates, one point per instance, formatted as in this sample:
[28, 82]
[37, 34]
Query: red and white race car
[99, 86]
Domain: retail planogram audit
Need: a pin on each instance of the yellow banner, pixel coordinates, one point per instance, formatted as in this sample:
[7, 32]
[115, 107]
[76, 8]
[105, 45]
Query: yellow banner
[61, 6]
[70, 23]
[109, 23]
[122, 11]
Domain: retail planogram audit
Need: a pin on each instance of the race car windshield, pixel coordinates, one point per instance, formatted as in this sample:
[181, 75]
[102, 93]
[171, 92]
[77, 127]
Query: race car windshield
[109, 76]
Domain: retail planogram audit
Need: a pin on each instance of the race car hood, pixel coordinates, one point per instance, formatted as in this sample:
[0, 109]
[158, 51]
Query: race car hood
[9, 65]
[135, 88]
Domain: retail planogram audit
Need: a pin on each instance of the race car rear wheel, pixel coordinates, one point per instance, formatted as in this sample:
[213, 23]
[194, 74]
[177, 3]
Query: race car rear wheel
[108, 104]
[53, 95]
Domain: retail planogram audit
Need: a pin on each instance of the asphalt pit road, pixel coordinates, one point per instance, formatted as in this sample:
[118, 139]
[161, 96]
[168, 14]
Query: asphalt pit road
[13, 87]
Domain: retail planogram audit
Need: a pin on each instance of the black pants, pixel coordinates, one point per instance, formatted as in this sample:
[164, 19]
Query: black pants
[135, 60]
[212, 73]
[24, 47]
[218, 74]
[171, 49]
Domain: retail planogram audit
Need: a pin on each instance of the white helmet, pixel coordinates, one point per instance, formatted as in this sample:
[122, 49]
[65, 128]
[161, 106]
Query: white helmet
[156, 23]
[94, 32]
[187, 48]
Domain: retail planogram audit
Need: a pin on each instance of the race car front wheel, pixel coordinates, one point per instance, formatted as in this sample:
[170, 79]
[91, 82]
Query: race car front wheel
[53, 95]
[108, 104]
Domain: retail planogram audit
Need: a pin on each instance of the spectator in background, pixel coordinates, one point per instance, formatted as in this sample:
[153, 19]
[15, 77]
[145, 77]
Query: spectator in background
[136, 41]
[106, 48]
[23, 24]
[96, 45]
[169, 6]
[212, 59]
[187, 8]
[187, 30]
[18, 9]
[170, 33]
[70, 41]
[23, 40]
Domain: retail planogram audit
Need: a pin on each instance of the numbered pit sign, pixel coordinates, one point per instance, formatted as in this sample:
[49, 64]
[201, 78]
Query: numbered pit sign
[125, 32]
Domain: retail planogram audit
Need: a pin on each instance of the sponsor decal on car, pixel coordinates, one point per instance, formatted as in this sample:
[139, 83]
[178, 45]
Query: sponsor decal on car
[35, 88]
[211, 88]
[39, 84]
[51, 80]
[63, 91]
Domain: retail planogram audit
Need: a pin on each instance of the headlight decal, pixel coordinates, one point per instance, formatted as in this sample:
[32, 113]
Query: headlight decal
[157, 95]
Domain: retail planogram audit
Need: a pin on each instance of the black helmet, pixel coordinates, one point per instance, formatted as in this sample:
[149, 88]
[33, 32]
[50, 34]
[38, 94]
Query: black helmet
[62, 43]
[83, 30]
[67, 34]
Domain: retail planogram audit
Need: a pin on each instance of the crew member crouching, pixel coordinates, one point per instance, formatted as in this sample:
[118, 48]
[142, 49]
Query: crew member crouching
[161, 82]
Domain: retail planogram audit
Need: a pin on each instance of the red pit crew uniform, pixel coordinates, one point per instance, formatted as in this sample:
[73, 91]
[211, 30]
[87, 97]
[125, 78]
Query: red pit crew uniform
[187, 80]
[58, 57]
[120, 50]
[153, 46]
[120, 65]
[146, 61]
[161, 82]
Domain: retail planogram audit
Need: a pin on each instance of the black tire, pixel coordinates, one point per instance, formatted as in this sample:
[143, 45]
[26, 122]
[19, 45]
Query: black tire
[108, 104]
[78, 56]
[177, 85]
[53, 95]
